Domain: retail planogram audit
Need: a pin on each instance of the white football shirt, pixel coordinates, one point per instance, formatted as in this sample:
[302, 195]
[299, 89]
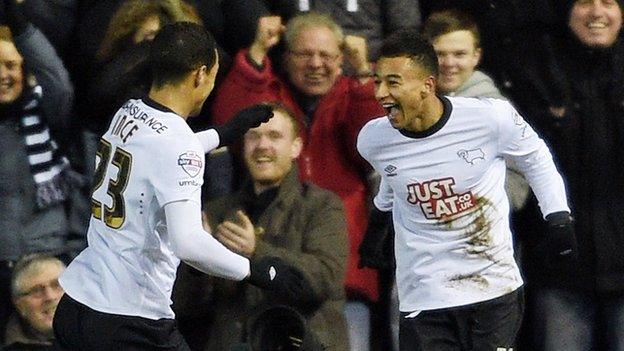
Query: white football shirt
[148, 157]
[445, 188]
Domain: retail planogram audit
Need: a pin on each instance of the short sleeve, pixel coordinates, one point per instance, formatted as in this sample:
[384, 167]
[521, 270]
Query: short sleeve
[180, 172]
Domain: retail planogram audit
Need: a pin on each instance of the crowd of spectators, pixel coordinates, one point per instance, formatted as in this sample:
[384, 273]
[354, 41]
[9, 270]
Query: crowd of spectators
[66, 66]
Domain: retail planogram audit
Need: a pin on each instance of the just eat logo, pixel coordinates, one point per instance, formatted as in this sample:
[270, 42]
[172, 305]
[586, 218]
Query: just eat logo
[437, 198]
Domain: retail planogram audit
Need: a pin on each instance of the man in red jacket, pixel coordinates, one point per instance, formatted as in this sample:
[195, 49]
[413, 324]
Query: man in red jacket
[330, 107]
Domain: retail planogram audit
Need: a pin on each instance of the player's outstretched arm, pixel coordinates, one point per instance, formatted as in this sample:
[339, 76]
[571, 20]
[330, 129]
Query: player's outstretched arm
[193, 245]
[226, 134]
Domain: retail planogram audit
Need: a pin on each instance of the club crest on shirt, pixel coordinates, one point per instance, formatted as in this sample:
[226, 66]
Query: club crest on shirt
[190, 162]
[472, 156]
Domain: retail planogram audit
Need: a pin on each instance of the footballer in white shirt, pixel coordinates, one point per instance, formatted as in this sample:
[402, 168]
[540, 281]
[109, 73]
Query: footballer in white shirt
[146, 213]
[442, 167]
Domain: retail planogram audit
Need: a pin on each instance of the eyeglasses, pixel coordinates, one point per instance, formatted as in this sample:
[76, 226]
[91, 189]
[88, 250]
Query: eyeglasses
[308, 55]
[39, 290]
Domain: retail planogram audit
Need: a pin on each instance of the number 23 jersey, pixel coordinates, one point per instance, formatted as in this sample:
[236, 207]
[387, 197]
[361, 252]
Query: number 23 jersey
[148, 157]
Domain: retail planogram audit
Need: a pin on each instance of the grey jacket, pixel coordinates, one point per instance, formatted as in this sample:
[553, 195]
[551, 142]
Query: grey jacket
[23, 228]
[478, 85]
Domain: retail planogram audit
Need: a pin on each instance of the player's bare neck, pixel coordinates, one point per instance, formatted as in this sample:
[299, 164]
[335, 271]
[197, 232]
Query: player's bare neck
[430, 114]
[173, 97]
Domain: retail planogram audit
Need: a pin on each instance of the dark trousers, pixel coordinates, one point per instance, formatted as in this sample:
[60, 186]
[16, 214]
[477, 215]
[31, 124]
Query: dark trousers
[485, 326]
[576, 320]
[78, 327]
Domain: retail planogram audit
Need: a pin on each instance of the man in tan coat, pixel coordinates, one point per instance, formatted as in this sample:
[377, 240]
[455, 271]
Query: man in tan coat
[274, 214]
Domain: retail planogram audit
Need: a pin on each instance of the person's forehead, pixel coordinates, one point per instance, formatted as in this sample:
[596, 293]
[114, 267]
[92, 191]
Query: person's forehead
[8, 52]
[580, 8]
[44, 274]
[454, 40]
[589, 2]
[280, 122]
[319, 37]
[277, 123]
[401, 66]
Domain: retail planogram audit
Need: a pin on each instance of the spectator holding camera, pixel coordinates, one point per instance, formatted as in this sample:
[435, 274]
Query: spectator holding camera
[331, 108]
[275, 214]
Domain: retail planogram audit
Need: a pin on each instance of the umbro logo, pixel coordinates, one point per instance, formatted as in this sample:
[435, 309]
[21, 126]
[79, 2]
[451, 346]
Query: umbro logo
[390, 170]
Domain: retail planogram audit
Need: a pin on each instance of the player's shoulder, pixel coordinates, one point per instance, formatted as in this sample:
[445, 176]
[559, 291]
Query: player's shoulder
[146, 118]
[373, 131]
[478, 102]
[375, 125]
[480, 109]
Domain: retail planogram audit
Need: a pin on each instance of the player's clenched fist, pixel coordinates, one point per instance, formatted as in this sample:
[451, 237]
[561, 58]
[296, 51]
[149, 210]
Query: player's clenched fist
[245, 119]
[275, 275]
[356, 51]
[268, 34]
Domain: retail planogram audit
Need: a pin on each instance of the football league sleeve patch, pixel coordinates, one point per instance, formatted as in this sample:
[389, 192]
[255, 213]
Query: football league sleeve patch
[179, 174]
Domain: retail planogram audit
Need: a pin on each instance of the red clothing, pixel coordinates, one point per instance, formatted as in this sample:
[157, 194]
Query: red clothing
[329, 158]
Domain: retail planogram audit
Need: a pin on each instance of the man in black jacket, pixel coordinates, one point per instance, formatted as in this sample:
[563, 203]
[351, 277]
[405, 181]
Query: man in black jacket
[575, 95]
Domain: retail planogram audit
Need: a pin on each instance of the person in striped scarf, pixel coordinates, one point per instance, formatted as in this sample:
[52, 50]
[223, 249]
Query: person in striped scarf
[35, 103]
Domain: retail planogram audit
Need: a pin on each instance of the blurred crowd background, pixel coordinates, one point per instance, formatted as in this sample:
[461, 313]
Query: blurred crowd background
[67, 65]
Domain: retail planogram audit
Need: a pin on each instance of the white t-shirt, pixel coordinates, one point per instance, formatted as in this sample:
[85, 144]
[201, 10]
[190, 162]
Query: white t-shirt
[148, 157]
[445, 188]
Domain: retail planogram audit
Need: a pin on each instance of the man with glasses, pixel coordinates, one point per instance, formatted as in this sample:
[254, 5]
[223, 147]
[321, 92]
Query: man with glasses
[331, 109]
[36, 293]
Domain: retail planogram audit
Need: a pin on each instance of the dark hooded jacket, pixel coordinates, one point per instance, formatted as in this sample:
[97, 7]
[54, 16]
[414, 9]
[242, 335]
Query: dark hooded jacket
[587, 85]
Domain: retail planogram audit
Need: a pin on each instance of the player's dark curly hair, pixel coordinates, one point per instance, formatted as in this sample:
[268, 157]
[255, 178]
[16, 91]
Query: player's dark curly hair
[409, 43]
[178, 49]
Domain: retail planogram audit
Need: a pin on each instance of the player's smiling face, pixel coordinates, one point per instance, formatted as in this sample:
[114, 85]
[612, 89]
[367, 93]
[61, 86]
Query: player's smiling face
[401, 87]
[269, 151]
[596, 23]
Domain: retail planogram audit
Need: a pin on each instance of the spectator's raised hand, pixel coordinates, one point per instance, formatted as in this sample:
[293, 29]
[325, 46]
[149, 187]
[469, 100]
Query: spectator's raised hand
[356, 52]
[268, 34]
